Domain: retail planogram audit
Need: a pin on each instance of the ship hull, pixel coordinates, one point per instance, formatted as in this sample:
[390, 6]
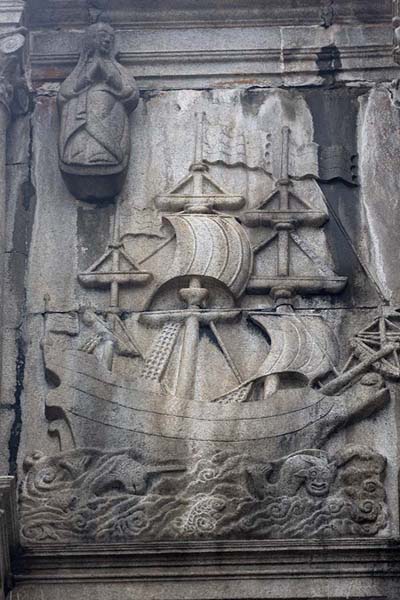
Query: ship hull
[92, 398]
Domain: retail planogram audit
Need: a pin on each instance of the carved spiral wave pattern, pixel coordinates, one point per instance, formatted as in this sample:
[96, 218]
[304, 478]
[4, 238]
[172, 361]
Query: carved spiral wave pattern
[88, 495]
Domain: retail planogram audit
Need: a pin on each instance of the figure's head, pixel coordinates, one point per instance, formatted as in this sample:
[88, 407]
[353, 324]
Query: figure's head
[318, 476]
[88, 317]
[314, 473]
[100, 38]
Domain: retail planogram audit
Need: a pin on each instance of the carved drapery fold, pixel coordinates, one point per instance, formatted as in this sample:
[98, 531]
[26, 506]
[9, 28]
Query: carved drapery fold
[95, 102]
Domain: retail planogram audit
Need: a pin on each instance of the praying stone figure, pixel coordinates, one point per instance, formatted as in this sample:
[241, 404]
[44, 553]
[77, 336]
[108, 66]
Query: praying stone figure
[95, 102]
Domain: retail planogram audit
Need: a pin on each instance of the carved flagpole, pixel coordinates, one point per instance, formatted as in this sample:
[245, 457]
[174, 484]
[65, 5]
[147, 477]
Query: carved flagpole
[284, 227]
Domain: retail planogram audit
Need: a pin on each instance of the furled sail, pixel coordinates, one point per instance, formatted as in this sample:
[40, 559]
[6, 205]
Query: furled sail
[212, 246]
[301, 344]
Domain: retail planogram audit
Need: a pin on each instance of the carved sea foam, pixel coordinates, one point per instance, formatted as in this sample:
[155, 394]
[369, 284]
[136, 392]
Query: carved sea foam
[87, 495]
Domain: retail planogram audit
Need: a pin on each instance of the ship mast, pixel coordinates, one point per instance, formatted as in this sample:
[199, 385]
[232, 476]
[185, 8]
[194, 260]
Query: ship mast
[194, 295]
[290, 215]
[115, 268]
[198, 198]
[284, 227]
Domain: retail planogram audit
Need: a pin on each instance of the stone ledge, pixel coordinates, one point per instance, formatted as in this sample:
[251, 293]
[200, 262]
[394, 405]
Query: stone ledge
[275, 570]
[251, 56]
[230, 558]
[11, 12]
[199, 13]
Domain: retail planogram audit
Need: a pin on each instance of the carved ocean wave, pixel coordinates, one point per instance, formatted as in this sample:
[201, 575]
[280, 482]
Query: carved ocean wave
[91, 496]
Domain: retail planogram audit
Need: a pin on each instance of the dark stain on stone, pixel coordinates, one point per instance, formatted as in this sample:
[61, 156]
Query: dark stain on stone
[334, 113]
[289, 106]
[252, 100]
[94, 232]
[328, 62]
[15, 436]
[24, 216]
[343, 228]
[23, 226]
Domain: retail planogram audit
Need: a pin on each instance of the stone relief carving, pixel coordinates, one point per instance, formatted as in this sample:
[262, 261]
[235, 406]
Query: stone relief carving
[284, 211]
[234, 146]
[14, 94]
[396, 36]
[345, 491]
[95, 102]
[115, 268]
[194, 367]
[327, 14]
[194, 309]
[394, 92]
[88, 495]
[97, 9]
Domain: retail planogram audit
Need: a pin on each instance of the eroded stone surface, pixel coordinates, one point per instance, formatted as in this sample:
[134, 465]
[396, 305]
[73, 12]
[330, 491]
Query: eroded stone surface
[202, 335]
[94, 103]
[186, 320]
[87, 495]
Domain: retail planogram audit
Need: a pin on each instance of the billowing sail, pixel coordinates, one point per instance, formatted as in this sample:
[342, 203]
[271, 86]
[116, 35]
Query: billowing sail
[212, 246]
[301, 344]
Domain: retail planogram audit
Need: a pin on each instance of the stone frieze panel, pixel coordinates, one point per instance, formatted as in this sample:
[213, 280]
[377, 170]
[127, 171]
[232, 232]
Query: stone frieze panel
[88, 495]
[200, 332]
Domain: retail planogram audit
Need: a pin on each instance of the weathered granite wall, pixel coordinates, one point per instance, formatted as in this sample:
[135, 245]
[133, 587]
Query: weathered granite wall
[201, 324]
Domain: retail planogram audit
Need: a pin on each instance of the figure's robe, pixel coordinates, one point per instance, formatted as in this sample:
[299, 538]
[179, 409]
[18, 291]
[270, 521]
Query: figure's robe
[94, 136]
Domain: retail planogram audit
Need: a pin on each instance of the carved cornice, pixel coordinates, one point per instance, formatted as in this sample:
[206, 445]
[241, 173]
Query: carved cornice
[198, 43]
[11, 12]
[373, 566]
[200, 13]
[263, 55]
[8, 530]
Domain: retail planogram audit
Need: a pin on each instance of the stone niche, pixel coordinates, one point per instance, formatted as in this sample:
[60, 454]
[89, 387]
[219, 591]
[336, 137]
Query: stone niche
[201, 323]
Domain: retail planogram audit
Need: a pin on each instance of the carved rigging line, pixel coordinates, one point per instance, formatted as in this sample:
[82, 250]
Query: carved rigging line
[156, 250]
[157, 360]
[217, 441]
[226, 353]
[364, 267]
[265, 242]
[313, 406]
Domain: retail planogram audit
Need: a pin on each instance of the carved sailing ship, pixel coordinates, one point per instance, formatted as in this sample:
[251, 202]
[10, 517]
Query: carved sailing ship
[129, 408]
[213, 252]
[225, 260]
